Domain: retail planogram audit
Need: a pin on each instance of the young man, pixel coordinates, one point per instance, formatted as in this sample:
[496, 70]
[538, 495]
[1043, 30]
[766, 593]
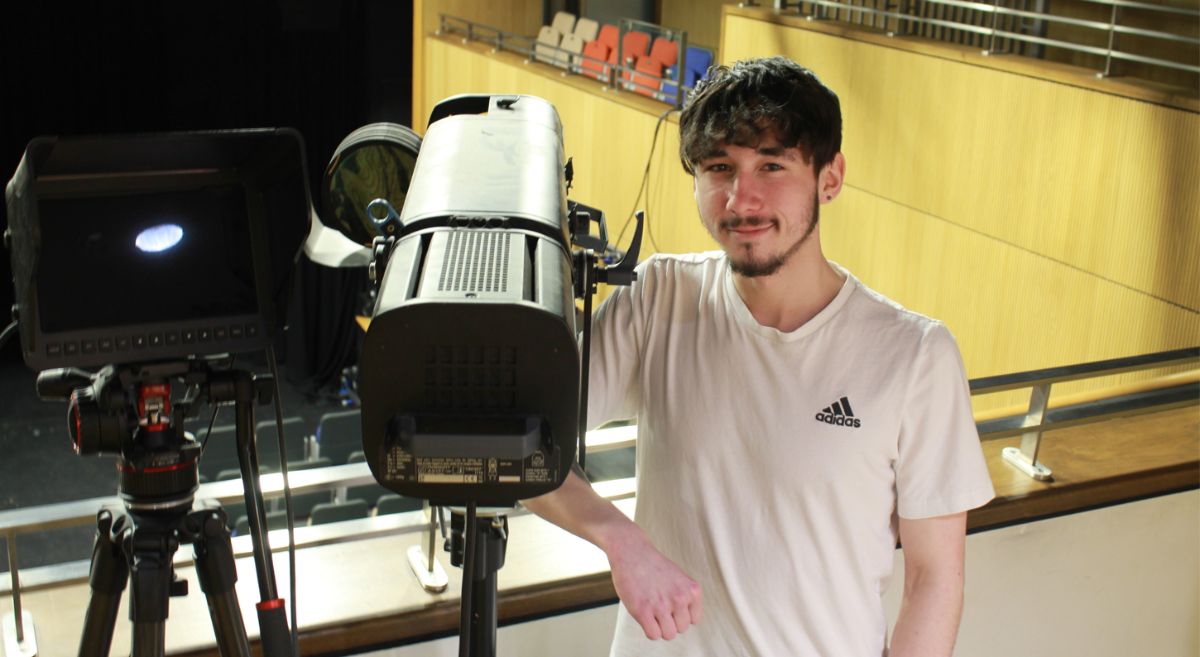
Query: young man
[792, 423]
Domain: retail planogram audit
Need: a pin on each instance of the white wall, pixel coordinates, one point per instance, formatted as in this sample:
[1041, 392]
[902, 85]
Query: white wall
[1115, 582]
[1120, 581]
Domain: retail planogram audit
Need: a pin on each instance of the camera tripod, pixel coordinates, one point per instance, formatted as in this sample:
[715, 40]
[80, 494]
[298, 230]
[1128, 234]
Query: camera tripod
[127, 410]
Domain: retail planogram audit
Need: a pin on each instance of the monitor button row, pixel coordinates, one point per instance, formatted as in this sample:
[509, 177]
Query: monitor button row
[150, 340]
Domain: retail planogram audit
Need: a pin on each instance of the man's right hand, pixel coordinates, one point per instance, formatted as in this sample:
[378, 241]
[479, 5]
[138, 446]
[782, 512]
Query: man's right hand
[656, 592]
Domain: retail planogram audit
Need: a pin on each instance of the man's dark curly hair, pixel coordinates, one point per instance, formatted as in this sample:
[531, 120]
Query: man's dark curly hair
[758, 99]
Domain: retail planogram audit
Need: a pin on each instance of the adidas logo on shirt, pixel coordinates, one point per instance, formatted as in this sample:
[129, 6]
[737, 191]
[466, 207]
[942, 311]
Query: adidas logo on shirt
[839, 413]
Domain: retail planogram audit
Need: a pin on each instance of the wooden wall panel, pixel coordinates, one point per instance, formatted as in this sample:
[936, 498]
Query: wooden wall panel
[1011, 310]
[701, 19]
[1102, 183]
[516, 16]
[523, 17]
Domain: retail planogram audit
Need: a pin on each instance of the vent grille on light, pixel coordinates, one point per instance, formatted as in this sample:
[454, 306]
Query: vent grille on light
[471, 378]
[475, 261]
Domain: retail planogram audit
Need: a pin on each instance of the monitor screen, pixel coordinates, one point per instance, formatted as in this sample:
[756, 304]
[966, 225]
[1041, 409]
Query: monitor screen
[144, 258]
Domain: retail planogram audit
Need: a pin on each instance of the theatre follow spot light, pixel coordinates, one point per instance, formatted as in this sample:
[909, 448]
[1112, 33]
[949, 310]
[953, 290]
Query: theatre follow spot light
[470, 370]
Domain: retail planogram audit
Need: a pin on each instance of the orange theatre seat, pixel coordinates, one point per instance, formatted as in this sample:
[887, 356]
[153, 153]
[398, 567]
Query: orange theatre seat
[648, 78]
[634, 47]
[608, 36]
[594, 53]
[665, 51]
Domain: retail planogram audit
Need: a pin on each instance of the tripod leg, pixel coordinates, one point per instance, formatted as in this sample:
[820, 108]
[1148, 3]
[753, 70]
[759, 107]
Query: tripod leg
[149, 639]
[107, 577]
[272, 619]
[218, 574]
[150, 547]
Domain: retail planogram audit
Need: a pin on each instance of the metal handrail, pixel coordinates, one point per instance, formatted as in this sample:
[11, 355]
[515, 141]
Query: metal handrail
[1064, 373]
[608, 74]
[1038, 419]
[1129, 4]
[977, 9]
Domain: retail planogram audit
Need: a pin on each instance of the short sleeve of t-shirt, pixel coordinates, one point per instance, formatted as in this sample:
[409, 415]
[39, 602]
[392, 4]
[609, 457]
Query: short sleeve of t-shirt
[618, 333]
[940, 468]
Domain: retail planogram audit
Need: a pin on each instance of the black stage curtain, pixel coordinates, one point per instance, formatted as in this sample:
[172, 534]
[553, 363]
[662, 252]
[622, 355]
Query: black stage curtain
[323, 337]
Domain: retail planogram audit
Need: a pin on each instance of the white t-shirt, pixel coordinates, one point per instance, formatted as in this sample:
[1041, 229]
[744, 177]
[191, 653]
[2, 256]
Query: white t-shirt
[771, 466]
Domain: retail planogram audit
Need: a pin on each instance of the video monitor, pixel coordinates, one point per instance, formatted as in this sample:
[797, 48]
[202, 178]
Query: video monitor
[152, 247]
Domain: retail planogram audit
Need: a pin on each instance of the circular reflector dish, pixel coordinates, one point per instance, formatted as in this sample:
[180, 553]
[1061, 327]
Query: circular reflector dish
[374, 162]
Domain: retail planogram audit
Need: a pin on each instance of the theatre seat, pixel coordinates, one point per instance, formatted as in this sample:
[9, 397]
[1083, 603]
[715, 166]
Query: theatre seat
[634, 46]
[572, 46]
[665, 51]
[338, 512]
[595, 53]
[563, 23]
[338, 434]
[392, 503]
[546, 49]
[648, 78]
[609, 34]
[695, 69]
[587, 29]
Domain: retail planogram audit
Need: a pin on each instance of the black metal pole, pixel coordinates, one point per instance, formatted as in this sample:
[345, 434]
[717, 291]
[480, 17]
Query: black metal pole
[491, 542]
[251, 490]
[483, 620]
[585, 358]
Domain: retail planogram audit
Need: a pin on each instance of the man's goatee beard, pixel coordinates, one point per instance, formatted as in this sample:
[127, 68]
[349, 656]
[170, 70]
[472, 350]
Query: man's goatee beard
[753, 269]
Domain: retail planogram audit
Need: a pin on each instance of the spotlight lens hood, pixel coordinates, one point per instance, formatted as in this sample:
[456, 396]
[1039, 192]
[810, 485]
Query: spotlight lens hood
[375, 161]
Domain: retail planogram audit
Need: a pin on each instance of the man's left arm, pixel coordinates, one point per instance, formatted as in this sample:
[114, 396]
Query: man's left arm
[934, 557]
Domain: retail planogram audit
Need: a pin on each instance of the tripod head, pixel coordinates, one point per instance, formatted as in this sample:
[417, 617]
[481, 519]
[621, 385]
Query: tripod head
[127, 411]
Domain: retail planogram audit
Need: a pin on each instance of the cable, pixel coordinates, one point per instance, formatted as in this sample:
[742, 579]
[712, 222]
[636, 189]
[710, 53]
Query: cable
[8, 332]
[644, 187]
[213, 420]
[287, 500]
[208, 432]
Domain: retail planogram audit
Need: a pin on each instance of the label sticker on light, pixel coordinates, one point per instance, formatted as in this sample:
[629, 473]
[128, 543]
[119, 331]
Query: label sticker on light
[157, 239]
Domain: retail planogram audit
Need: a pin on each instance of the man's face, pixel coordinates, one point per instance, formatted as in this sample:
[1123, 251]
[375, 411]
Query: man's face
[760, 204]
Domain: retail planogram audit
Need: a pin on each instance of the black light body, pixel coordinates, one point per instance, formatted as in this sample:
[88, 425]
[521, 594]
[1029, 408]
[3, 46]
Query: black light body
[469, 372]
